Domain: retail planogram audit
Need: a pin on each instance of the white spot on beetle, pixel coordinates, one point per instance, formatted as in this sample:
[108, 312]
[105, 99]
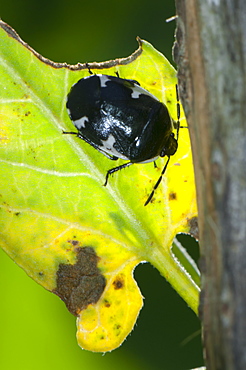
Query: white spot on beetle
[108, 147]
[137, 91]
[80, 123]
[103, 80]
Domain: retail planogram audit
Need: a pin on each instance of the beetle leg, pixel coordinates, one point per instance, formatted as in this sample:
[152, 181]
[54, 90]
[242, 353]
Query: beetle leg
[70, 133]
[88, 67]
[115, 169]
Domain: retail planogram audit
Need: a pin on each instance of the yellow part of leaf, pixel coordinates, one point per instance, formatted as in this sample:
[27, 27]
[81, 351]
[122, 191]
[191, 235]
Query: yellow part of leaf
[107, 324]
[53, 204]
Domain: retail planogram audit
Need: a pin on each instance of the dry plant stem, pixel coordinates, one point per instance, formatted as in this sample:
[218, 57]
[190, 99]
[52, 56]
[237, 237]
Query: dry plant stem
[211, 55]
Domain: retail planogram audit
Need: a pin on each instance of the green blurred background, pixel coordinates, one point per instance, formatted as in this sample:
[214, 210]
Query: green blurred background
[36, 330]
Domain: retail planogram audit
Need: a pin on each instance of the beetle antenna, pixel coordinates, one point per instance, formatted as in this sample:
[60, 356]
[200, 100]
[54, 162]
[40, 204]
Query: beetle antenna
[178, 111]
[157, 183]
[165, 167]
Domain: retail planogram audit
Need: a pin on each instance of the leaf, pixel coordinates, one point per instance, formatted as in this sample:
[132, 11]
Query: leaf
[72, 235]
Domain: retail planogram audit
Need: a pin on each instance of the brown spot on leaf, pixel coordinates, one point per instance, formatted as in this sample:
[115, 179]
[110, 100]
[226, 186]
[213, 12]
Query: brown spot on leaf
[73, 242]
[172, 196]
[80, 284]
[194, 231]
[118, 283]
[117, 329]
[106, 303]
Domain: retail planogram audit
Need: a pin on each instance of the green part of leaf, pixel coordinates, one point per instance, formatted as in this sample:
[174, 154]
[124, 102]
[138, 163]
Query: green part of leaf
[51, 196]
[186, 261]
